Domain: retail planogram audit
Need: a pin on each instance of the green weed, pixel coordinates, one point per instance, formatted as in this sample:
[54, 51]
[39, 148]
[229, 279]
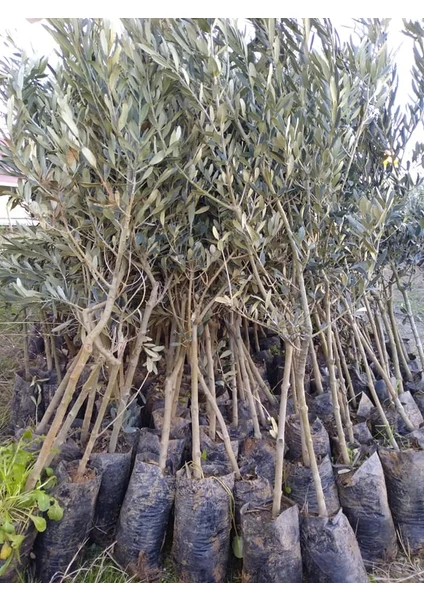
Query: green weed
[20, 508]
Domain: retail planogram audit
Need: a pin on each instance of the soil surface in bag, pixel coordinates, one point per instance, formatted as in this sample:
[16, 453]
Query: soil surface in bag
[271, 547]
[330, 550]
[363, 496]
[202, 526]
[56, 547]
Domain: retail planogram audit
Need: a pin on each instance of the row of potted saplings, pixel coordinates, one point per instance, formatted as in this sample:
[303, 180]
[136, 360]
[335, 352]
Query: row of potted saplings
[126, 497]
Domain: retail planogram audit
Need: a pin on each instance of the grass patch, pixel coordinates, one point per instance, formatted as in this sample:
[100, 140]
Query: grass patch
[96, 566]
[405, 569]
[11, 357]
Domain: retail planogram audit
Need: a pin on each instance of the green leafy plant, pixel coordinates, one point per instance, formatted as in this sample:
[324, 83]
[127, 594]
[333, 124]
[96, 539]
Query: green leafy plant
[20, 508]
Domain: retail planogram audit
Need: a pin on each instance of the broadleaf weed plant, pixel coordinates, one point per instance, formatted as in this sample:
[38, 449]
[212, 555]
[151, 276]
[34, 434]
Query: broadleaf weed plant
[20, 508]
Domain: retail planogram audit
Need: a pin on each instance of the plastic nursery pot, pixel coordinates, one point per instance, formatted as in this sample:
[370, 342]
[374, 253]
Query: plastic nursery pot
[395, 420]
[149, 444]
[320, 438]
[365, 407]
[56, 548]
[202, 526]
[144, 517]
[321, 405]
[215, 452]
[362, 433]
[180, 427]
[419, 400]
[262, 453]
[300, 487]
[330, 550]
[404, 473]
[363, 496]
[115, 469]
[23, 410]
[251, 488]
[271, 547]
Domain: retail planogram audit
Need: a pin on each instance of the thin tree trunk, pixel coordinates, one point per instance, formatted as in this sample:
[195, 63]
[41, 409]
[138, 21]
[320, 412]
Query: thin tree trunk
[378, 345]
[258, 378]
[321, 333]
[305, 455]
[89, 409]
[227, 442]
[196, 454]
[255, 393]
[44, 454]
[26, 353]
[368, 372]
[248, 391]
[167, 415]
[86, 390]
[235, 419]
[278, 481]
[246, 332]
[380, 329]
[343, 392]
[111, 384]
[346, 373]
[56, 360]
[333, 382]
[211, 382]
[303, 411]
[132, 365]
[395, 357]
[255, 332]
[315, 366]
[390, 388]
[182, 354]
[398, 339]
[300, 363]
[171, 348]
[47, 342]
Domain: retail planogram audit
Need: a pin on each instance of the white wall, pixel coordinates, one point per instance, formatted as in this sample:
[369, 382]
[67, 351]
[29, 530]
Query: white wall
[11, 217]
